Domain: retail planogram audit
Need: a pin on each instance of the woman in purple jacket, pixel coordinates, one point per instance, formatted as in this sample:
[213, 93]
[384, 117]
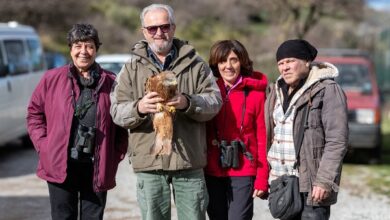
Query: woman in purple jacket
[70, 125]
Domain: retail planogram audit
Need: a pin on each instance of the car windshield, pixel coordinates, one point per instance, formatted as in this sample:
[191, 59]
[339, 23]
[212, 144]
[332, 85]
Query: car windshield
[113, 67]
[354, 77]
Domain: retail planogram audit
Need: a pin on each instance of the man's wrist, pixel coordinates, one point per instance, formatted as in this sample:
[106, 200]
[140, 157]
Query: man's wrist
[188, 102]
[138, 111]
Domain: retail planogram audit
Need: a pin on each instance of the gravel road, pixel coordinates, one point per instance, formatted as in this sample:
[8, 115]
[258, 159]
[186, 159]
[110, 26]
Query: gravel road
[355, 201]
[24, 197]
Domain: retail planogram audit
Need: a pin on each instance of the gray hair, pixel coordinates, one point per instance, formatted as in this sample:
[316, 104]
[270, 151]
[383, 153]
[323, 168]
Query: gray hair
[152, 7]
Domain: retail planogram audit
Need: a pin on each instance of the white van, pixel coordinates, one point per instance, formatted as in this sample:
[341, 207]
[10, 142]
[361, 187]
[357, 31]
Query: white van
[113, 62]
[21, 66]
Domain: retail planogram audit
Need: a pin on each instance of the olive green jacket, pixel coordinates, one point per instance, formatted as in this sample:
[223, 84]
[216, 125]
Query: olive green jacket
[195, 81]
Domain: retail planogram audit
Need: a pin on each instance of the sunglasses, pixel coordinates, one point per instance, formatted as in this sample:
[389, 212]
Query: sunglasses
[165, 28]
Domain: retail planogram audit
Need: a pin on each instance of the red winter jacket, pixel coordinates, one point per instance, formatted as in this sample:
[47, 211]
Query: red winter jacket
[49, 121]
[227, 123]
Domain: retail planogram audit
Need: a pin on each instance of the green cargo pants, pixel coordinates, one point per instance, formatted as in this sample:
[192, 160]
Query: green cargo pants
[189, 191]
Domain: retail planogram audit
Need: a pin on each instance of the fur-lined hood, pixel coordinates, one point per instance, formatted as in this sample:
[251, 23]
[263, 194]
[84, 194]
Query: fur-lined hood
[320, 71]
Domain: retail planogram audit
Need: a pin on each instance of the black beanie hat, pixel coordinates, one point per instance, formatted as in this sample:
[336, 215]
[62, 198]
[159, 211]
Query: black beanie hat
[300, 49]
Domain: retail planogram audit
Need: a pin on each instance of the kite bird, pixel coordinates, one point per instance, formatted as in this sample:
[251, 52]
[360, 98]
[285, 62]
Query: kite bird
[165, 85]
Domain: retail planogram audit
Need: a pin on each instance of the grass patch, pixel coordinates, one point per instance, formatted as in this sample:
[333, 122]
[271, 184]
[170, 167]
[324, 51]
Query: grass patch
[386, 130]
[379, 179]
[366, 179]
[376, 177]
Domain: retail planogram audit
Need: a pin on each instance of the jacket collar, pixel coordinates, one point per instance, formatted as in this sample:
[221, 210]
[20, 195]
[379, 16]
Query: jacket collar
[256, 81]
[320, 71]
[72, 74]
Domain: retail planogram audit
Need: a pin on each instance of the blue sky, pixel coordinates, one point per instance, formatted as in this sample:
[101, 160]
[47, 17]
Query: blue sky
[379, 4]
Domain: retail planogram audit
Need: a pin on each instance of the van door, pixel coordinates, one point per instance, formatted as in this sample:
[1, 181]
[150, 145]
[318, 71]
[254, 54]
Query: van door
[5, 97]
[17, 85]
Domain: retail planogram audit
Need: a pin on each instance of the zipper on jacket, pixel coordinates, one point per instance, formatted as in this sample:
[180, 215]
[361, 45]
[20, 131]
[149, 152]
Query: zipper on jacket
[96, 157]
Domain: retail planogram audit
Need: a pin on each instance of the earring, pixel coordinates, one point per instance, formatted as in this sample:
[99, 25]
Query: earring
[307, 64]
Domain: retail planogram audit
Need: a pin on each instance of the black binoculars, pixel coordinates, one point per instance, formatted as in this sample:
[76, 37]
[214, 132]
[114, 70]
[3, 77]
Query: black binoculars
[229, 154]
[84, 142]
[229, 157]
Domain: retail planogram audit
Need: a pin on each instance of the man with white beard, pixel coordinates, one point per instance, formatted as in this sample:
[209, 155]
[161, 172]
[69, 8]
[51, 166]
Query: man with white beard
[197, 100]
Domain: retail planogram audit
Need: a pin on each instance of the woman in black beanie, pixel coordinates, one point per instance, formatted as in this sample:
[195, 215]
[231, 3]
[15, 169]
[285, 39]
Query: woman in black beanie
[307, 86]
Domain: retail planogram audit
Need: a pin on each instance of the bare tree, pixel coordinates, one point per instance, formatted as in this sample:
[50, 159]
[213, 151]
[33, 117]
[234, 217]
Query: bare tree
[299, 17]
[261, 23]
[44, 13]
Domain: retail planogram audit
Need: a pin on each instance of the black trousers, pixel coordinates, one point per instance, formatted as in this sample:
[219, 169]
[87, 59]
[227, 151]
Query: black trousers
[230, 197]
[76, 196]
[313, 212]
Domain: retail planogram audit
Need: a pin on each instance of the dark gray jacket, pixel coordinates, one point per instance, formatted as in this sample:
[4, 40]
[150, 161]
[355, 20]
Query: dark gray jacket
[326, 138]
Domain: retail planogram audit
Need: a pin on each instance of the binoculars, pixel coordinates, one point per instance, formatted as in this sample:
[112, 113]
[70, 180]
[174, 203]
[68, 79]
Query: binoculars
[84, 142]
[229, 157]
[229, 154]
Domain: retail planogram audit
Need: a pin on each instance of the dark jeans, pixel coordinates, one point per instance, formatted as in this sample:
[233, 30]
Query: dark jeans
[230, 197]
[76, 192]
[313, 212]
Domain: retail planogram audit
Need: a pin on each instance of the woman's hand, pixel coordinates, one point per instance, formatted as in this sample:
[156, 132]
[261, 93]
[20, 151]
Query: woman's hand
[258, 193]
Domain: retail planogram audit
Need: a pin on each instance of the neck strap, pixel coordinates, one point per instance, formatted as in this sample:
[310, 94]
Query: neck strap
[246, 92]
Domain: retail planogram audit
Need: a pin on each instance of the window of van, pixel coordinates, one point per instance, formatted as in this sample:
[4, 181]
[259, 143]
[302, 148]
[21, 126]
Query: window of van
[17, 57]
[354, 77]
[36, 54]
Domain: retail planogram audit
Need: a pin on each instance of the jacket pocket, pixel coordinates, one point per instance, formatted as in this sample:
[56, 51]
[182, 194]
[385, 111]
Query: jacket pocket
[144, 162]
[314, 120]
[314, 139]
[317, 152]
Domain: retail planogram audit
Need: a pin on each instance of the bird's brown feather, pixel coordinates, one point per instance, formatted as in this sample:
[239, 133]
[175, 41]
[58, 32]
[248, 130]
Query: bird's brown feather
[165, 85]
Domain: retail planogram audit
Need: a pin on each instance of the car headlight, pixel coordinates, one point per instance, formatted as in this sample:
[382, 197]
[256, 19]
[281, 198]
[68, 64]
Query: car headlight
[365, 116]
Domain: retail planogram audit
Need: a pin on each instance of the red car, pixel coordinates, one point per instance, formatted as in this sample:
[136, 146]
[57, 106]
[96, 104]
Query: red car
[358, 79]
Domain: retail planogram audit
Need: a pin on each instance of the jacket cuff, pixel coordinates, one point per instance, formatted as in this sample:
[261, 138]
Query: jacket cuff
[328, 186]
[190, 108]
[139, 116]
[261, 185]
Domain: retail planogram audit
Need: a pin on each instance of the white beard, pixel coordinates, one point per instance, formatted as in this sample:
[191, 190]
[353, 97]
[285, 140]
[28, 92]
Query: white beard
[162, 48]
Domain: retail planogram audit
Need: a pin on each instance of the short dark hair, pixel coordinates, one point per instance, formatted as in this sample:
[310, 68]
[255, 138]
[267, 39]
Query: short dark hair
[83, 32]
[221, 50]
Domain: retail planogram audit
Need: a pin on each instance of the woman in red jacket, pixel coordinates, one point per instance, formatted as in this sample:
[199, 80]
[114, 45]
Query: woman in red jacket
[237, 169]
[69, 122]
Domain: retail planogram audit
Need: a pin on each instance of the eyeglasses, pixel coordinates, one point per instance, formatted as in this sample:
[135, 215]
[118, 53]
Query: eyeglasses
[165, 28]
